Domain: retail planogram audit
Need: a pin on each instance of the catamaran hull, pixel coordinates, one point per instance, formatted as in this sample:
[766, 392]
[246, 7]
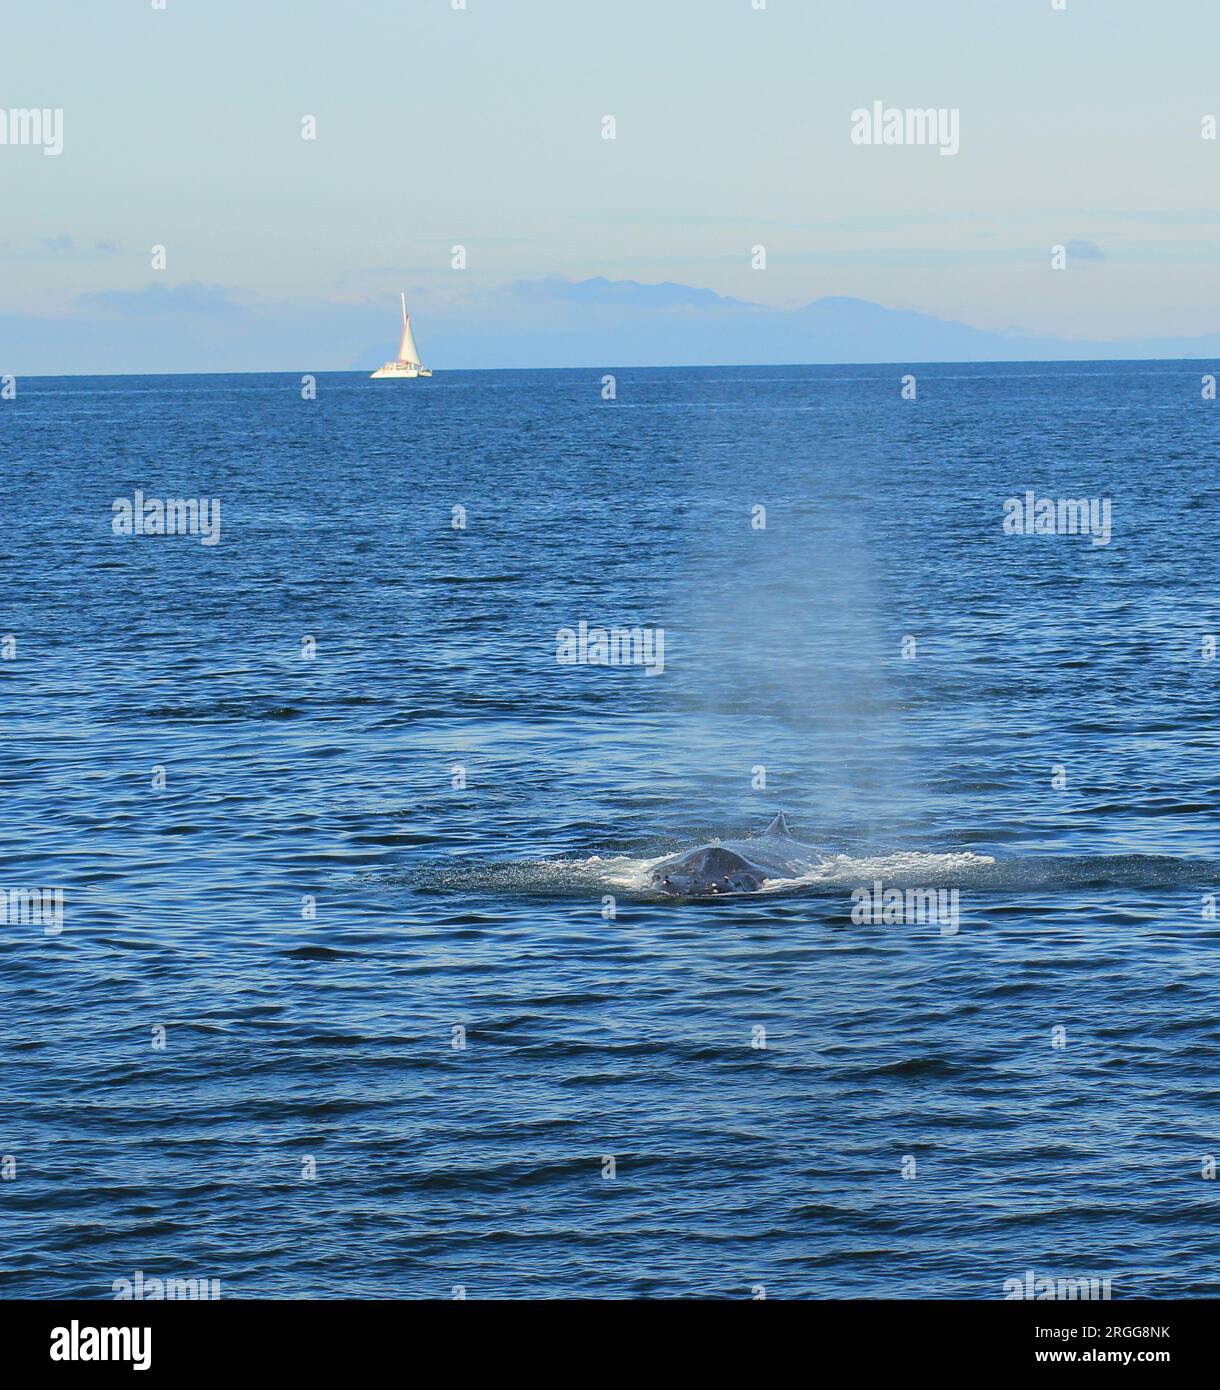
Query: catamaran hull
[398, 374]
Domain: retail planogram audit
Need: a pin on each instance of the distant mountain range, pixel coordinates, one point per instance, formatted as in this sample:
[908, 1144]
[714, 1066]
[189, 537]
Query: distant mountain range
[548, 322]
[602, 321]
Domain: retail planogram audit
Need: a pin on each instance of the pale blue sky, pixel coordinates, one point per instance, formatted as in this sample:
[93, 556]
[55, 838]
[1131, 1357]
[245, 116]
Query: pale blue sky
[482, 127]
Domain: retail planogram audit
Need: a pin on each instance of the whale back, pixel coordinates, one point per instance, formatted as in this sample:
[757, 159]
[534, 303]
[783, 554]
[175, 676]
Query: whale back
[709, 870]
[735, 866]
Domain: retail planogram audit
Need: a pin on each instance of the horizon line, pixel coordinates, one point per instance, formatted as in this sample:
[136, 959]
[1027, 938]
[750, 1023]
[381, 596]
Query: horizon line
[641, 367]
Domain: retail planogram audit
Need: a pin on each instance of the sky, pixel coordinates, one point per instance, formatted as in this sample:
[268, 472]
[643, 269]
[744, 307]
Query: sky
[482, 127]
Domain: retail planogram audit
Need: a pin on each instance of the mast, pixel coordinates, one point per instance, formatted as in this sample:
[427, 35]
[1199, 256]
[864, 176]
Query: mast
[407, 351]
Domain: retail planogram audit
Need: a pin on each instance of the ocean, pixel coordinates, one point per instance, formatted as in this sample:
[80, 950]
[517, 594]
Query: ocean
[358, 987]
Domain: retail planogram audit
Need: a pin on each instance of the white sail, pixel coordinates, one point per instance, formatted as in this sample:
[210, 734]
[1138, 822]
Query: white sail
[407, 351]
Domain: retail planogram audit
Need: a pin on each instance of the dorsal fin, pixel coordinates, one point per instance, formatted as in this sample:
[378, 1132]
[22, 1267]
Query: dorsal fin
[779, 826]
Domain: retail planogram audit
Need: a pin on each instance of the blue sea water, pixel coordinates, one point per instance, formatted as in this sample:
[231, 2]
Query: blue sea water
[1045, 1076]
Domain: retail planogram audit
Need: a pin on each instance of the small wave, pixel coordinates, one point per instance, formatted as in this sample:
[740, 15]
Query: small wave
[220, 711]
[934, 1067]
[545, 877]
[907, 867]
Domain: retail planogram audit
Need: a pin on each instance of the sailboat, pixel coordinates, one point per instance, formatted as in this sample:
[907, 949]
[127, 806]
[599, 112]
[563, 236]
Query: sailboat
[407, 363]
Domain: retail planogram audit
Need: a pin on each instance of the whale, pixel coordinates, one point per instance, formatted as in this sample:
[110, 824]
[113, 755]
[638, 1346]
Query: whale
[735, 866]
